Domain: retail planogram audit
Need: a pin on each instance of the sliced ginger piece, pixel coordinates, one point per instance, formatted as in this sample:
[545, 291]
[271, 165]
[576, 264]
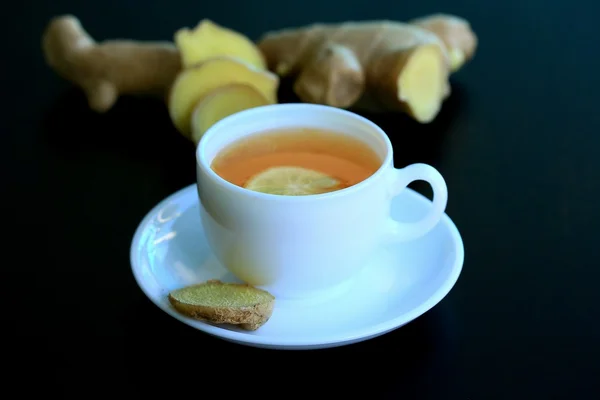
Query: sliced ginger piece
[225, 303]
[208, 40]
[222, 102]
[194, 83]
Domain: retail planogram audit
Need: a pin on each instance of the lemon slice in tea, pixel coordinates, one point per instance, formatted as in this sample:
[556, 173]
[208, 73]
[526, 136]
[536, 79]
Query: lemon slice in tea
[292, 181]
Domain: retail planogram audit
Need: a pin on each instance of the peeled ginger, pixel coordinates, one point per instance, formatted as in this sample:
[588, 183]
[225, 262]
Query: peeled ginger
[222, 102]
[224, 303]
[209, 40]
[194, 83]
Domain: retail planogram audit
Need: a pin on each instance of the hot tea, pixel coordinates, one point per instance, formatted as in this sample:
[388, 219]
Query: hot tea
[299, 161]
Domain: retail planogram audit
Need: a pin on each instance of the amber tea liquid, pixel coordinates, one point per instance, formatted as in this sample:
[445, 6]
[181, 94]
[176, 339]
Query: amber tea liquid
[340, 156]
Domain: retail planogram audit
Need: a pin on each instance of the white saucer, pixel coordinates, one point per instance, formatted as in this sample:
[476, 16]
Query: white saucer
[169, 251]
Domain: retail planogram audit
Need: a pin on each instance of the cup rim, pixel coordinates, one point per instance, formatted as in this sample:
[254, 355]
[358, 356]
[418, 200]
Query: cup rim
[203, 164]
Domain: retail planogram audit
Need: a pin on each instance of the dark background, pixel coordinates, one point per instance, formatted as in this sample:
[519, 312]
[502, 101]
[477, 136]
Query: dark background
[517, 143]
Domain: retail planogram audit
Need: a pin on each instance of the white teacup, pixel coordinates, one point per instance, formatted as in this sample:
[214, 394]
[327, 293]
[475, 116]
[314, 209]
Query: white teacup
[305, 245]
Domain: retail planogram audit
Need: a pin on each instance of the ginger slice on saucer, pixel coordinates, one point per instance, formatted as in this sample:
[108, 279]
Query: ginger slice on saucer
[225, 303]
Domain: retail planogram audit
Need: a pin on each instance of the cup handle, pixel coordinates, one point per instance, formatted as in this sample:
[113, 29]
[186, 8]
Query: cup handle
[402, 231]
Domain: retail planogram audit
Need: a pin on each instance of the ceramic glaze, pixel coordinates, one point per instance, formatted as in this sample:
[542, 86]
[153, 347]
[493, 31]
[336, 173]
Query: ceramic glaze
[398, 284]
[305, 246]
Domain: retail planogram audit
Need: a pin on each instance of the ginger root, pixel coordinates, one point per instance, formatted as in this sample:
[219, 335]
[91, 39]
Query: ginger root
[209, 40]
[222, 102]
[223, 72]
[111, 68]
[338, 66]
[372, 65]
[193, 84]
[455, 32]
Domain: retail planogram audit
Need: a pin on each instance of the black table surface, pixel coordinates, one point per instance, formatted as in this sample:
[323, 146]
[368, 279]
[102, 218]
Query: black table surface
[518, 143]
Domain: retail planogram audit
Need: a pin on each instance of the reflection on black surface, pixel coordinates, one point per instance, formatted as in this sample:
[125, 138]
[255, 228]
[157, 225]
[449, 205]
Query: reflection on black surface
[410, 358]
[136, 133]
